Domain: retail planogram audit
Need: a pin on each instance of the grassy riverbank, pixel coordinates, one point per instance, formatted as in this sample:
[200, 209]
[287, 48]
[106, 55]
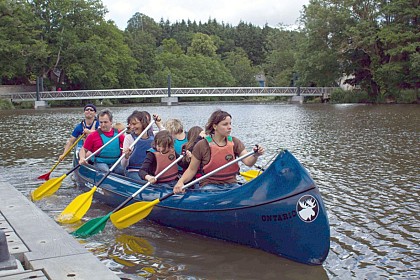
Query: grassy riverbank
[6, 104]
[402, 97]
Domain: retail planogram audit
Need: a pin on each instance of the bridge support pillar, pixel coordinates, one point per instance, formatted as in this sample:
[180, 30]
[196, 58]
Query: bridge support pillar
[41, 104]
[169, 100]
[297, 99]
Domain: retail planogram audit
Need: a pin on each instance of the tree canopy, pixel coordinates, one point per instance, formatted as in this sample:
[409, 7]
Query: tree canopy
[68, 42]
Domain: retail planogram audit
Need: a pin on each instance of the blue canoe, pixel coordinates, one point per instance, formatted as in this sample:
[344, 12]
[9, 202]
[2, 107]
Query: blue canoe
[281, 211]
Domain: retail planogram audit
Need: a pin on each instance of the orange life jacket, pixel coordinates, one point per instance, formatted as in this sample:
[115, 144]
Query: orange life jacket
[163, 161]
[219, 157]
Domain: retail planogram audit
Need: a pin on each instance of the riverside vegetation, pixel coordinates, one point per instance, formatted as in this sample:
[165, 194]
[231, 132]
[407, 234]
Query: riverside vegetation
[374, 46]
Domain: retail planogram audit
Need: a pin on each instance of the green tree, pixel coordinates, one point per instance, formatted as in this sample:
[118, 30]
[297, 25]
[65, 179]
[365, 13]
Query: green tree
[20, 43]
[375, 41]
[241, 68]
[318, 62]
[63, 24]
[400, 36]
[171, 46]
[281, 53]
[141, 23]
[202, 44]
[251, 39]
[191, 71]
[103, 61]
[142, 35]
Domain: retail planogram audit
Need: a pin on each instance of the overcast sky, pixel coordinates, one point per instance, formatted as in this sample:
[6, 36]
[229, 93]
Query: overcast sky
[256, 12]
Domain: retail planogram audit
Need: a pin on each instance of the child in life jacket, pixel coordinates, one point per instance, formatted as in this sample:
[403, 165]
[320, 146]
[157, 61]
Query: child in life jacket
[195, 134]
[158, 158]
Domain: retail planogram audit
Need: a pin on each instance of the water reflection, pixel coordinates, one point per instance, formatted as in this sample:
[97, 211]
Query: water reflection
[363, 158]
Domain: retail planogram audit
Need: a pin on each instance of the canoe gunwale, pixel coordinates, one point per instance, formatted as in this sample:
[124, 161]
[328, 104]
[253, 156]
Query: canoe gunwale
[136, 199]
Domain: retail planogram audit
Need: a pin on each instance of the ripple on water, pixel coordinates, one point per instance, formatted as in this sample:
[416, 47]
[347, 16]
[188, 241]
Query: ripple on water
[364, 160]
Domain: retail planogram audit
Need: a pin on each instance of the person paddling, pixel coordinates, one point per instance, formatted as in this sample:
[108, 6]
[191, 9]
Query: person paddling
[216, 149]
[137, 121]
[195, 134]
[175, 127]
[158, 158]
[86, 126]
[111, 153]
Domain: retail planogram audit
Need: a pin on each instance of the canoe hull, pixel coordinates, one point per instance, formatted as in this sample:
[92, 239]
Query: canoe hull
[281, 211]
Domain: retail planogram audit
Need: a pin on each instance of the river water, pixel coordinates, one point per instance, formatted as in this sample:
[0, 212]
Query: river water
[365, 160]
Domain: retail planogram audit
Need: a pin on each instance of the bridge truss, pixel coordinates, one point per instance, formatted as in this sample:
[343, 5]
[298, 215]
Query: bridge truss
[163, 92]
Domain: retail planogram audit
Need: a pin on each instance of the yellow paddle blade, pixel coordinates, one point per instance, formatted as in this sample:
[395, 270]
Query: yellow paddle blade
[132, 213]
[135, 245]
[77, 208]
[48, 188]
[251, 174]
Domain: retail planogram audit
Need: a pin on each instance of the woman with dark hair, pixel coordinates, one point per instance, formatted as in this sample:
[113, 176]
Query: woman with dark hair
[133, 159]
[217, 149]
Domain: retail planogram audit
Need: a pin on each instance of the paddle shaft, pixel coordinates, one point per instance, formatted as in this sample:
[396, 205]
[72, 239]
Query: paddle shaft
[209, 174]
[54, 166]
[147, 184]
[98, 224]
[123, 155]
[134, 213]
[98, 150]
[46, 176]
[259, 167]
[73, 145]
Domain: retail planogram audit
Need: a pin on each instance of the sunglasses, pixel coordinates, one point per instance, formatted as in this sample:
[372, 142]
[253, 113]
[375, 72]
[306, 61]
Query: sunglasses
[89, 109]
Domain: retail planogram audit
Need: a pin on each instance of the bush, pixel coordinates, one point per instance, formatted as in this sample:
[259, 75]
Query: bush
[343, 96]
[406, 96]
[6, 104]
[23, 105]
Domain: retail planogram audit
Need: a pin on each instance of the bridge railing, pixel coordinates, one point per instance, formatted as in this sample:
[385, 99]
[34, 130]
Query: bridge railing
[163, 92]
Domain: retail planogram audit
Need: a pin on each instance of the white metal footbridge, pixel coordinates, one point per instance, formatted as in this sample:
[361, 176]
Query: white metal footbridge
[323, 92]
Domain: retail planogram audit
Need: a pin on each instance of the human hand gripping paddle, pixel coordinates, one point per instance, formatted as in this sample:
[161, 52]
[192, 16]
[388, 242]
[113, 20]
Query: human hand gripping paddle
[252, 173]
[81, 204]
[46, 176]
[98, 224]
[139, 210]
[53, 184]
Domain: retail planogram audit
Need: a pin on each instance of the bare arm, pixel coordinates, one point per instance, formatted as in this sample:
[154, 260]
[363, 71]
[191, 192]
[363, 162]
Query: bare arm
[250, 161]
[128, 140]
[188, 174]
[82, 156]
[158, 122]
[67, 147]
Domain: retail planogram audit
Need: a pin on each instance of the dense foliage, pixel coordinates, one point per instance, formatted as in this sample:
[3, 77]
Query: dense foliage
[375, 43]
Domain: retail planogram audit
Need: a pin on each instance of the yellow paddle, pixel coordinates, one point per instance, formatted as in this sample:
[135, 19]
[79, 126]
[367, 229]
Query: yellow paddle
[46, 176]
[77, 208]
[98, 224]
[80, 205]
[139, 210]
[250, 174]
[52, 185]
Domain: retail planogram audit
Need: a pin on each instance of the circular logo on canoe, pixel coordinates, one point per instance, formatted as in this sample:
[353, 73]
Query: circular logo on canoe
[307, 208]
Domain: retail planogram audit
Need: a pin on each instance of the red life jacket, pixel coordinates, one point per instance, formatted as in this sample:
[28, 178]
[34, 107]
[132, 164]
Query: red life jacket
[219, 157]
[163, 161]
